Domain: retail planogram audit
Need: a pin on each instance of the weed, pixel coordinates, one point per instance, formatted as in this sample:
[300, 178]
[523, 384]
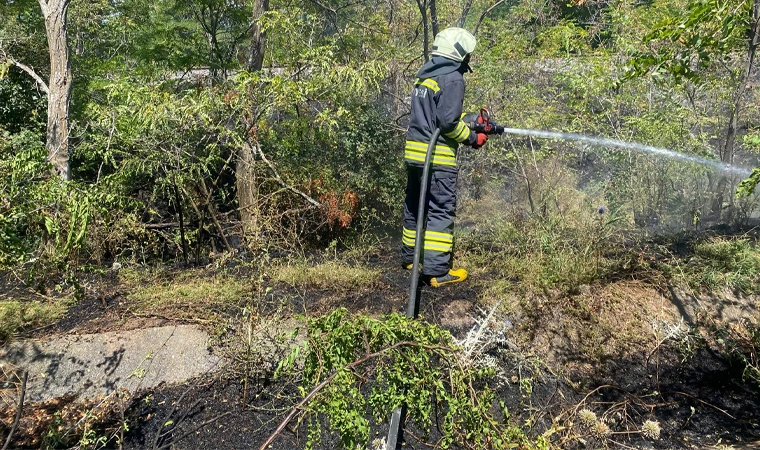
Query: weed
[256, 344]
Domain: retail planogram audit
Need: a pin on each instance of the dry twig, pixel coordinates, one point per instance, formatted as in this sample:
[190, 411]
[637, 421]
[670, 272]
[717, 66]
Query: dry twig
[16, 420]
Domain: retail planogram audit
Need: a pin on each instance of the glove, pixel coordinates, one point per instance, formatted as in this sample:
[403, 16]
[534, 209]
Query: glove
[480, 141]
[474, 122]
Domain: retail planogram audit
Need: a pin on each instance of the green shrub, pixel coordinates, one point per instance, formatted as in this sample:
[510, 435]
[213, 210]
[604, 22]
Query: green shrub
[375, 365]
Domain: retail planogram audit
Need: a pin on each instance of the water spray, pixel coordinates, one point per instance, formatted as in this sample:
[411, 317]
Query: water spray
[723, 167]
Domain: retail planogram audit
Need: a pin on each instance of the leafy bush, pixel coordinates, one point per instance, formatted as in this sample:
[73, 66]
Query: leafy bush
[358, 367]
[45, 220]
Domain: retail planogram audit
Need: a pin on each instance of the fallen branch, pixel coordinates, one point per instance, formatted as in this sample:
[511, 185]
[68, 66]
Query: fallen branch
[296, 409]
[18, 411]
[160, 226]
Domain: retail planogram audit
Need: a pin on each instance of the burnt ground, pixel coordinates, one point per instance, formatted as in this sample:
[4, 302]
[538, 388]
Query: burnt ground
[590, 350]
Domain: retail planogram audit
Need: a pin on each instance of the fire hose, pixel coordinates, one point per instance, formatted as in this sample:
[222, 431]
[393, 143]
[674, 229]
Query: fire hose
[482, 124]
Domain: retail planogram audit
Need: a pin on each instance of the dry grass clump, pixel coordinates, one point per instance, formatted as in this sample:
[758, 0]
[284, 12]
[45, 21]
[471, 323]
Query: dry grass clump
[190, 293]
[334, 275]
[587, 418]
[16, 316]
[651, 430]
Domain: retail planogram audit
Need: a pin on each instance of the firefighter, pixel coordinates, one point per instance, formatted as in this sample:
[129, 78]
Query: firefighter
[437, 99]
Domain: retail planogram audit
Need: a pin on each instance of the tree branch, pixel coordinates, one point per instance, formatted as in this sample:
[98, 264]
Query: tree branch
[321, 385]
[434, 17]
[44, 8]
[40, 82]
[280, 180]
[465, 12]
[483, 16]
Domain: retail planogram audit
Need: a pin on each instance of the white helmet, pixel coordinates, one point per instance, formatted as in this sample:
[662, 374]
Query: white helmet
[454, 43]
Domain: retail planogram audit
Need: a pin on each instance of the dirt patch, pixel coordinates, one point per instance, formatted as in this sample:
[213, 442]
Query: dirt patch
[210, 414]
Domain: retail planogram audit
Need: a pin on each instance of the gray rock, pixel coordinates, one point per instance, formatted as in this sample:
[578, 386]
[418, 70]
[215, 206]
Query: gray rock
[97, 364]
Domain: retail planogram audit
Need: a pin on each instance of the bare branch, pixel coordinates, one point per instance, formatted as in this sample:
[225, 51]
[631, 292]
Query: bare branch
[280, 180]
[40, 82]
[18, 411]
[483, 16]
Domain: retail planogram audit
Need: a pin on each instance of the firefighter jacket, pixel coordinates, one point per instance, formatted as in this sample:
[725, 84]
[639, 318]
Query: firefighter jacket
[437, 99]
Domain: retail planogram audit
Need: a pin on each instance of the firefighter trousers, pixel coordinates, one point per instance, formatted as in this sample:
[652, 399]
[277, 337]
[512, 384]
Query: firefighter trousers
[439, 227]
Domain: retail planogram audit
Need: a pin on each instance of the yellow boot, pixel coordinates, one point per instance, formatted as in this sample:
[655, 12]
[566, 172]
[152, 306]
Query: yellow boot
[454, 276]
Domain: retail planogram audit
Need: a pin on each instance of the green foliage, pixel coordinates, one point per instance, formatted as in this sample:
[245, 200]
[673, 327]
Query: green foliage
[747, 187]
[22, 106]
[378, 364]
[705, 30]
[162, 113]
[563, 39]
[45, 220]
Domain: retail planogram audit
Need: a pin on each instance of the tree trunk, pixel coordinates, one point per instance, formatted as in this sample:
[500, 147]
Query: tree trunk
[727, 151]
[422, 5]
[256, 57]
[434, 18]
[245, 178]
[59, 97]
[245, 167]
